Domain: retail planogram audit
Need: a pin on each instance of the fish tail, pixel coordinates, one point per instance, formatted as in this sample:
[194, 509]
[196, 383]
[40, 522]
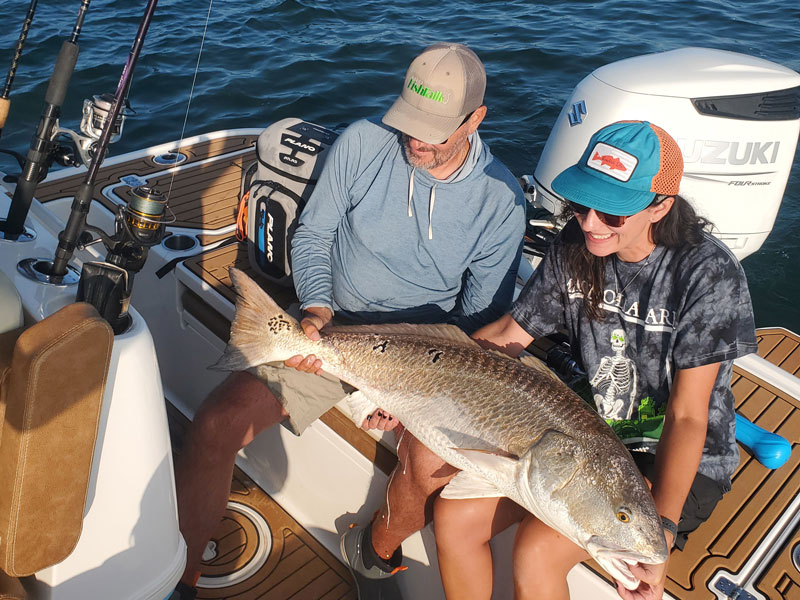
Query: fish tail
[261, 331]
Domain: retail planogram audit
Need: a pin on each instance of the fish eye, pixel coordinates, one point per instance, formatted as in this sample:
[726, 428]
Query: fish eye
[623, 515]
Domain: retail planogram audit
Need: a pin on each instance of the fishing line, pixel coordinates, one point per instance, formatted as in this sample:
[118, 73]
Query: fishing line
[391, 477]
[191, 94]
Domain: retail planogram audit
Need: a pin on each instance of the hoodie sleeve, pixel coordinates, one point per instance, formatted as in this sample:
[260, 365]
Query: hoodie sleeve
[312, 243]
[489, 282]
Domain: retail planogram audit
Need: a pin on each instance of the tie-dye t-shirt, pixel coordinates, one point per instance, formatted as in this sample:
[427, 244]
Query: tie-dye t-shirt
[677, 309]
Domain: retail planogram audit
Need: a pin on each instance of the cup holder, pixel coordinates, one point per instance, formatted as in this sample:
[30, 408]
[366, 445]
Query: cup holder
[179, 242]
[170, 159]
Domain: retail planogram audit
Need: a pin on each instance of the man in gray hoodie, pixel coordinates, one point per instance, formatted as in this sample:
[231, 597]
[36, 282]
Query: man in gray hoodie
[412, 220]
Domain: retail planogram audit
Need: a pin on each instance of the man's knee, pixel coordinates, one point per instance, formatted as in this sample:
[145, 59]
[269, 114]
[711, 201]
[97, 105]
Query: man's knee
[235, 412]
[427, 471]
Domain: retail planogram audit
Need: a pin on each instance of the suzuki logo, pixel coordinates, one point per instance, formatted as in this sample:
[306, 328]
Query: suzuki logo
[576, 113]
[721, 152]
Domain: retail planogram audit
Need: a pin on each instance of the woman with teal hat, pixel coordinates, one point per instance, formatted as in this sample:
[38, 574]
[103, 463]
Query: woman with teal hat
[656, 310]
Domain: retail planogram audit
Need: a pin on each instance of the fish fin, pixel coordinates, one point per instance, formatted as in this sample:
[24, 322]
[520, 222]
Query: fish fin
[531, 361]
[495, 460]
[256, 326]
[500, 353]
[560, 457]
[470, 485]
[440, 331]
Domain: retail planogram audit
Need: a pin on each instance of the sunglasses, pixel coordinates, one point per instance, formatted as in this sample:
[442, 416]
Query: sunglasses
[610, 220]
[457, 128]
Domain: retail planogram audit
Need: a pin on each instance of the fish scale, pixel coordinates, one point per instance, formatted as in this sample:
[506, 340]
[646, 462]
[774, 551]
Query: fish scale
[497, 419]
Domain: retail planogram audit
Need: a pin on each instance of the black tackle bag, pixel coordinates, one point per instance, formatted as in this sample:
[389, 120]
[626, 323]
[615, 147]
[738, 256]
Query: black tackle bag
[289, 157]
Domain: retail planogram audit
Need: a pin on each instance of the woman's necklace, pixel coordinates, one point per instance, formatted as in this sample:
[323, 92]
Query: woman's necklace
[617, 282]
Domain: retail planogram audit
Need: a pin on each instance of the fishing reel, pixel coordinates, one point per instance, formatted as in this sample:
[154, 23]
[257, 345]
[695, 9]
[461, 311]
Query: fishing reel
[96, 113]
[145, 217]
[140, 224]
[75, 149]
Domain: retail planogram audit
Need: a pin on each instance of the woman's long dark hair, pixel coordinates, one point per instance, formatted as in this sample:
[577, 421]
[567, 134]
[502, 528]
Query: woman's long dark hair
[680, 227]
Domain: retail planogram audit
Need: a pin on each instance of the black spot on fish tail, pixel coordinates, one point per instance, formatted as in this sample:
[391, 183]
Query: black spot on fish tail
[278, 323]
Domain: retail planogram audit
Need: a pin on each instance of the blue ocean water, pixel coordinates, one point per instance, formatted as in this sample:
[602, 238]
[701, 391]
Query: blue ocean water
[333, 61]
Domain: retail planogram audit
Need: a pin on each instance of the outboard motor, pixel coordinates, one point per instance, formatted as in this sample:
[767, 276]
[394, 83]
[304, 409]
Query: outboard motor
[736, 119]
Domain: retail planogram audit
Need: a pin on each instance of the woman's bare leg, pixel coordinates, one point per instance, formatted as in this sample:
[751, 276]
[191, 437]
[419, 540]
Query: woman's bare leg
[542, 559]
[463, 529]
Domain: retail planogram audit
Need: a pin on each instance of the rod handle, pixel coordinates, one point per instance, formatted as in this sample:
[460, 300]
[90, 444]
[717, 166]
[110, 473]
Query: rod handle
[5, 104]
[65, 65]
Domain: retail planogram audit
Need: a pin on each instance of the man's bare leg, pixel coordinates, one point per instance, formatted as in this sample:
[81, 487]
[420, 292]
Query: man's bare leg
[410, 495]
[234, 413]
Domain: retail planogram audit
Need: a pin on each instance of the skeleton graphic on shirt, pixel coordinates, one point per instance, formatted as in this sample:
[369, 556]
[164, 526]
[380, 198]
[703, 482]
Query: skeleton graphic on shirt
[617, 374]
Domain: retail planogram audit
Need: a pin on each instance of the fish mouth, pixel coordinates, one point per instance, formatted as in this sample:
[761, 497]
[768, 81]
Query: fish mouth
[617, 562]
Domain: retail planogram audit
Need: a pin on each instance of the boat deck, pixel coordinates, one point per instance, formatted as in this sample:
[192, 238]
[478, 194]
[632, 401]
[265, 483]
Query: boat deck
[748, 526]
[759, 498]
[260, 551]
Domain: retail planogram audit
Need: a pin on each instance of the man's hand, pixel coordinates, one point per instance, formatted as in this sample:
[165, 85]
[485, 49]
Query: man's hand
[380, 419]
[314, 319]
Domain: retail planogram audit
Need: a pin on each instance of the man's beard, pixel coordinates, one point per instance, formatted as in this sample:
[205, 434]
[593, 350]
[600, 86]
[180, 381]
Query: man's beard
[438, 156]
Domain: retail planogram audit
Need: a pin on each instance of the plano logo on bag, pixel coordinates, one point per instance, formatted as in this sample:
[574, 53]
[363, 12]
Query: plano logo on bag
[297, 145]
[300, 144]
[270, 224]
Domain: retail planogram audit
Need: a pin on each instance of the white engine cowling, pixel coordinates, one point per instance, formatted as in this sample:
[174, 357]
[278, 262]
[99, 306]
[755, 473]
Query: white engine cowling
[736, 119]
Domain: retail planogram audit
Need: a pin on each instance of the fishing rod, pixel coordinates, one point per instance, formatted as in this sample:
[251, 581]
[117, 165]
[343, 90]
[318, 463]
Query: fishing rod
[139, 224]
[5, 103]
[36, 163]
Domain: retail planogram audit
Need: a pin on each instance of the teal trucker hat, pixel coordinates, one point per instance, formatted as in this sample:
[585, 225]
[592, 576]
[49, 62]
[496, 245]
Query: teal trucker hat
[623, 166]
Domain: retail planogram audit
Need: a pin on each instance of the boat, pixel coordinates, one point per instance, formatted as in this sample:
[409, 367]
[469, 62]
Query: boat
[737, 120]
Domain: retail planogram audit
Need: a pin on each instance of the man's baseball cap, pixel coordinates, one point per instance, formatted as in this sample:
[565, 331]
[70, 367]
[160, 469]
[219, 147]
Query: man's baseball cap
[443, 85]
[623, 166]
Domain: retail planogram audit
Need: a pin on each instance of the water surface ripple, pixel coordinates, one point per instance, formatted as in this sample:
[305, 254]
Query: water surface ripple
[335, 61]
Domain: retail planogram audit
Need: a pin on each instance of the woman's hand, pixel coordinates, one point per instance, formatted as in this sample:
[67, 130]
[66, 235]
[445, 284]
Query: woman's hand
[380, 419]
[651, 579]
[314, 319]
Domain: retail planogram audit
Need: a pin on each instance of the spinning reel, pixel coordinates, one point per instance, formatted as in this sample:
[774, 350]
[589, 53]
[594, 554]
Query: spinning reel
[75, 149]
[139, 225]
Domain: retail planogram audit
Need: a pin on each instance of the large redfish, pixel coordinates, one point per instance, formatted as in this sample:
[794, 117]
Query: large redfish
[515, 426]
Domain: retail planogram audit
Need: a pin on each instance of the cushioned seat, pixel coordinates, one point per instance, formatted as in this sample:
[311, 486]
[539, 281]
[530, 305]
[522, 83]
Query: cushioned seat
[52, 381]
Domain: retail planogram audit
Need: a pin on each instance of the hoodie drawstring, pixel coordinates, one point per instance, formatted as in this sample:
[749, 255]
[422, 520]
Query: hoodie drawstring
[411, 191]
[431, 202]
